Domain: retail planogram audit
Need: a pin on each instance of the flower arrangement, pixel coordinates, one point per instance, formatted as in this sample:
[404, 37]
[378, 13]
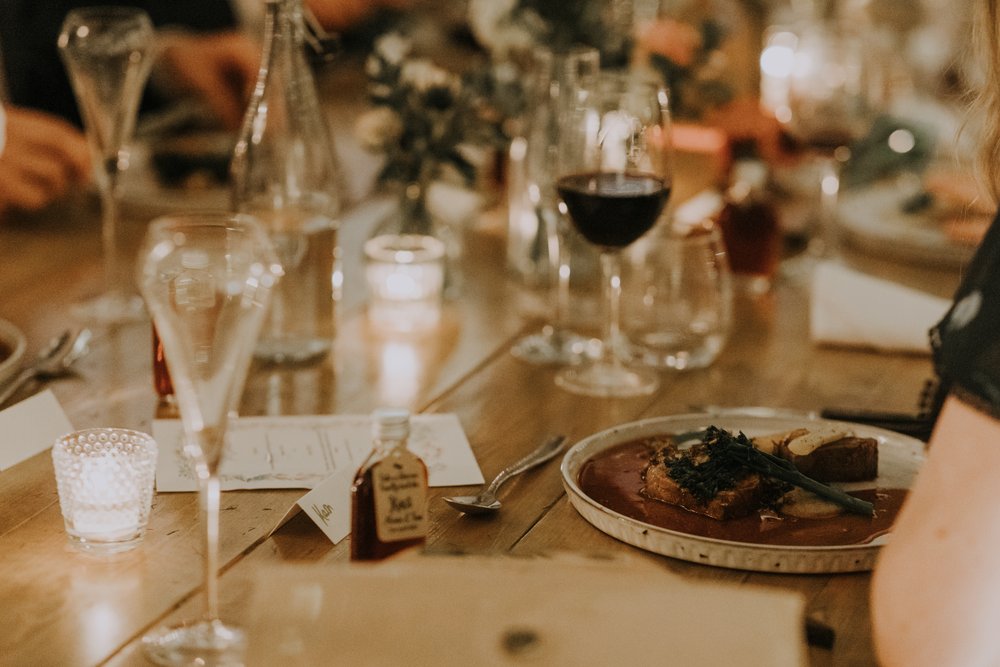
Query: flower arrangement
[424, 117]
[684, 52]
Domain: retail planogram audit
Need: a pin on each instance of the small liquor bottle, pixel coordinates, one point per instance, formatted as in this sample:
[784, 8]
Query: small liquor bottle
[161, 374]
[389, 495]
[749, 221]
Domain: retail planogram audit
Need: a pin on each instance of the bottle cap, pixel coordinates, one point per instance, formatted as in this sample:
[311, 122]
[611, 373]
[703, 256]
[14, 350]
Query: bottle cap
[390, 423]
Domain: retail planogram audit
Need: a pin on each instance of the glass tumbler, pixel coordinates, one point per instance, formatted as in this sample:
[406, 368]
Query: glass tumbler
[677, 303]
[105, 480]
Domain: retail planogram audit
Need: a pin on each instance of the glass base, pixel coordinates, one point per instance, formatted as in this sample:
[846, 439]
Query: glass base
[200, 643]
[104, 547]
[607, 380]
[291, 351]
[551, 346]
[110, 308]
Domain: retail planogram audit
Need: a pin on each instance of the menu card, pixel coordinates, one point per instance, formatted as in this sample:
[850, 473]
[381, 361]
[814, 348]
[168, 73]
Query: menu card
[300, 452]
[30, 427]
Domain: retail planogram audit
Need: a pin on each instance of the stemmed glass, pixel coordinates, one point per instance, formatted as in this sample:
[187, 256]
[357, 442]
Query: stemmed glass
[207, 280]
[829, 108]
[615, 176]
[557, 79]
[108, 52]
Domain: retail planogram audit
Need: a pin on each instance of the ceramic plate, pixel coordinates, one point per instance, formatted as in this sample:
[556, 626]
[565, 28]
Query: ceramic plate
[900, 457]
[873, 220]
[14, 341]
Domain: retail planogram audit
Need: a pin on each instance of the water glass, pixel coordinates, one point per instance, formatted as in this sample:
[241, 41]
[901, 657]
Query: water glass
[105, 480]
[677, 303]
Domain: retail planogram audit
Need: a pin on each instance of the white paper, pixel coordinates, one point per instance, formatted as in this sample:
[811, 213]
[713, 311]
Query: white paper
[30, 427]
[328, 505]
[300, 452]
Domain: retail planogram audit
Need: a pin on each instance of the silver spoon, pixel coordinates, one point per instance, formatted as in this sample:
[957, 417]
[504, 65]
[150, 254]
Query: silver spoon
[486, 501]
[55, 360]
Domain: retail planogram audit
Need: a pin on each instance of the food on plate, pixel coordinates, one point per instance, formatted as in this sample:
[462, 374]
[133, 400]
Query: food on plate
[726, 476]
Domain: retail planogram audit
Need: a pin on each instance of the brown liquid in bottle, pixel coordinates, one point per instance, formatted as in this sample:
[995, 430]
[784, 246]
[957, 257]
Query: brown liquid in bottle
[161, 374]
[389, 495]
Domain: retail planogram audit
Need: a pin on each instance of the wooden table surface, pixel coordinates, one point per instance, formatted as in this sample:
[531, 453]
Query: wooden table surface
[59, 607]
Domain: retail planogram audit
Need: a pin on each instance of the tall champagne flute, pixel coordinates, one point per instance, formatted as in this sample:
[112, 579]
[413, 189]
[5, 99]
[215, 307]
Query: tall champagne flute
[108, 52]
[615, 176]
[207, 280]
[556, 78]
[829, 107]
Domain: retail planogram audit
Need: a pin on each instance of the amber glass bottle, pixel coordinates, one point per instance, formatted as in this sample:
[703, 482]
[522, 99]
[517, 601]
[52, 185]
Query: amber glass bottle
[389, 495]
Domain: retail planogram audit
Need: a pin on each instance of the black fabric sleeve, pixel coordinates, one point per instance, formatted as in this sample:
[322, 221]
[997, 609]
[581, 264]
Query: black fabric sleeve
[966, 343]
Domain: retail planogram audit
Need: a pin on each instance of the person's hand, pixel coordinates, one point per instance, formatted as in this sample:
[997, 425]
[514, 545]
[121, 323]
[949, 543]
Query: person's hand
[218, 68]
[44, 157]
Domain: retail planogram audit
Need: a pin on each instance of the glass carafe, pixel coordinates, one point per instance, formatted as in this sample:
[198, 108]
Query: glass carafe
[285, 173]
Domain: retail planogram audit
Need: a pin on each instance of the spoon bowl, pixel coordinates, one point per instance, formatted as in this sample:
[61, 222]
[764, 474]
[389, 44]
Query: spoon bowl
[486, 501]
[53, 361]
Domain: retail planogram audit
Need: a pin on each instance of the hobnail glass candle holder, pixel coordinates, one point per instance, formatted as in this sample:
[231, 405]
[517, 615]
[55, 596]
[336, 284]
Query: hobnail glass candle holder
[105, 480]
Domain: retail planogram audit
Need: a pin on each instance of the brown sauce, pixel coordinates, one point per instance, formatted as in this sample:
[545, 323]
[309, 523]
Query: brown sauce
[614, 479]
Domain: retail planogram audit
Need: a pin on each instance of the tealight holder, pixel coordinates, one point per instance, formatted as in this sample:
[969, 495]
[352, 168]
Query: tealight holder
[105, 481]
[405, 276]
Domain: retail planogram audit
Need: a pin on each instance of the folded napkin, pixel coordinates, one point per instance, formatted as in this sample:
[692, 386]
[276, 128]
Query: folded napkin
[855, 309]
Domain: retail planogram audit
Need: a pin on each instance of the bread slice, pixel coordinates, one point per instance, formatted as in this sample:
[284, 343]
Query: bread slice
[747, 495]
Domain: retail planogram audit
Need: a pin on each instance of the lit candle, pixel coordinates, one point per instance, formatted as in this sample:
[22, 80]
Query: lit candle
[405, 276]
[105, 481]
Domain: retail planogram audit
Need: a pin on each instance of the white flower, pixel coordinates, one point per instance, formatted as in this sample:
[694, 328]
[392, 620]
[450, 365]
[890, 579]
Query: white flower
[378, 128]
[393, 47]
[511, 38]
[423, 75]
[485, 16]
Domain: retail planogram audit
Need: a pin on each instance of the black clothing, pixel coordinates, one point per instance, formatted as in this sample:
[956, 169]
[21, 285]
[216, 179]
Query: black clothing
[34, 72]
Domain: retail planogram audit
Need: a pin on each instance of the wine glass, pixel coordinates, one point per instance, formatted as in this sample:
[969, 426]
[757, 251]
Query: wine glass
[108, 52]
[558, 77]
[615, 177]
[206, 279]
[828, 108]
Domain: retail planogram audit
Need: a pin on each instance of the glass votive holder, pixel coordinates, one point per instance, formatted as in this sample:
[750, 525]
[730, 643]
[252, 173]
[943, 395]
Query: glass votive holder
[677, 297]
[405, 277]
[105, 481]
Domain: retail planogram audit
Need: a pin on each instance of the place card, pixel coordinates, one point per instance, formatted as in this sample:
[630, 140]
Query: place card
[300, 452]
[30, 427]
[328, 505]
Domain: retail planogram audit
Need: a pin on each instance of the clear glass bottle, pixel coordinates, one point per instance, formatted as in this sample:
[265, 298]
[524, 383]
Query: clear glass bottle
[389, 494]
[286, 174]
[749, 221]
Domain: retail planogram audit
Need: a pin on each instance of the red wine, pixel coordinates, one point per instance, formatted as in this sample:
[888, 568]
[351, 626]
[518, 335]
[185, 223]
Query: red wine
[613, 209]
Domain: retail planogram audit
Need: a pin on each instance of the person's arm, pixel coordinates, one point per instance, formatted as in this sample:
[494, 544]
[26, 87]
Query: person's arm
[936, 586]
[43, 158]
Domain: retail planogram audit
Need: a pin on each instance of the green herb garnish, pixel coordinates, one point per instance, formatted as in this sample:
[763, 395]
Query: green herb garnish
[730, 456]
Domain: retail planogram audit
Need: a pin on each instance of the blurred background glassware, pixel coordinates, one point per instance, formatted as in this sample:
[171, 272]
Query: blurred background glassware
[207, 280]
[108, 52]
[678, 296]
[405, 276]
[286, 174]
[105, 481]
[615, 171]
[542, 244]
[829, 106]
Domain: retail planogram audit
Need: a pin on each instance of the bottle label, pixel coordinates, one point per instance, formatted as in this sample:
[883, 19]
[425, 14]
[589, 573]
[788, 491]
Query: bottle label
[400, 490]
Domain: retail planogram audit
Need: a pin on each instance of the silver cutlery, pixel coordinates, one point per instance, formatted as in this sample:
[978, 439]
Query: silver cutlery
[53, 361]
[486, 501]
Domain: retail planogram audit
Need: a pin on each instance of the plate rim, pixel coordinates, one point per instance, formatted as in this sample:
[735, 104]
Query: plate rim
[725, 553]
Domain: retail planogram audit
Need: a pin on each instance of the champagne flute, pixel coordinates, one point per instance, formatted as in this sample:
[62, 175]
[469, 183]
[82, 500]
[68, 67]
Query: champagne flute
[206, 279]
[615, 176]
[829, 107]
[558, 76]
[108, 52]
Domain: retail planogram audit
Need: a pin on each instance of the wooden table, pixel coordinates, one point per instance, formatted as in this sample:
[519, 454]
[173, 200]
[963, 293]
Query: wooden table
[59, 607]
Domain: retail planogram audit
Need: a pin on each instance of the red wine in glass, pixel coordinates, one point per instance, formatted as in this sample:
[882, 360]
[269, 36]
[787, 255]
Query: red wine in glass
[613, 209]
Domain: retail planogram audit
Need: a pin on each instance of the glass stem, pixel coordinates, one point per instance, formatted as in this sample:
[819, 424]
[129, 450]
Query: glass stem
[109, 229]
[559, 266]
[611, 268]
[210, 495]
[826, 238]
